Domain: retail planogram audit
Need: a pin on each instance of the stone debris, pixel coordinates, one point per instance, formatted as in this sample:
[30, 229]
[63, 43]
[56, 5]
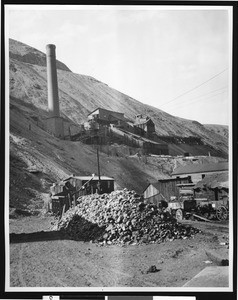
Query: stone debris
[207, 262]
[152, 269]
[121, 217]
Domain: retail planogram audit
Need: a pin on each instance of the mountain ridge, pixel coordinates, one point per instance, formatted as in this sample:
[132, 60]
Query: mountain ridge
[27, 54]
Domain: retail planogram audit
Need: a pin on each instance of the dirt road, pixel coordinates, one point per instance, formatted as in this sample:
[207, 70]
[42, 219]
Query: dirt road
[58, 262]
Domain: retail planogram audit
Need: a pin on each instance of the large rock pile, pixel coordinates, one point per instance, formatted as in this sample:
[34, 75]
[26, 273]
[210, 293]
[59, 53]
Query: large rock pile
[121, 217]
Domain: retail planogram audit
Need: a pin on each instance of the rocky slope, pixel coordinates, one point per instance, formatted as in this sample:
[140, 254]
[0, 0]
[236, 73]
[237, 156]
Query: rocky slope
[24, 53]
[218, 129]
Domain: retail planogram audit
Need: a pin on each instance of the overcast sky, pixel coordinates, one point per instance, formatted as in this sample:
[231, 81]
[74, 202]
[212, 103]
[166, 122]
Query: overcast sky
[175, 60]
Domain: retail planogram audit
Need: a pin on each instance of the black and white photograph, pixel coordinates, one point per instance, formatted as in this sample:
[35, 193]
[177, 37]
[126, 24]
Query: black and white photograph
[118, 148]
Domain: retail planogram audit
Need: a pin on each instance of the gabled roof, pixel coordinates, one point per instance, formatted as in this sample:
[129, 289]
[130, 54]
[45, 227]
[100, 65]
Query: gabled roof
[201, 168]
[154, 184]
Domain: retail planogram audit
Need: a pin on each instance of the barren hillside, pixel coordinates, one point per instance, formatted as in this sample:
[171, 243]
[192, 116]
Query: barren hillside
[218, 129]
[37, 159]
[80, 94]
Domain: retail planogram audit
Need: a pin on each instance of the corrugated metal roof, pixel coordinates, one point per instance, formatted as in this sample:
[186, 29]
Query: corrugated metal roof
[201, 168]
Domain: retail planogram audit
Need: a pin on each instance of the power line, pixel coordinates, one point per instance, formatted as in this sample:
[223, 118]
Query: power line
[187, 101]
[204, 99]
[194, 87]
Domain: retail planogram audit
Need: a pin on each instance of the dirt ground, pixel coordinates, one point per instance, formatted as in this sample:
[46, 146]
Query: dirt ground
[48, 259]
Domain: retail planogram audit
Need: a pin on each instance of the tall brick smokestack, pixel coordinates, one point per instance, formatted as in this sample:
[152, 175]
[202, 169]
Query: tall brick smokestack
[55, 123]
[53, 98]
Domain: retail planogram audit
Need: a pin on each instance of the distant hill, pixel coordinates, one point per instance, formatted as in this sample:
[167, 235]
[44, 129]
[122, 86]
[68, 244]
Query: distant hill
[218, 129]
[24, 53]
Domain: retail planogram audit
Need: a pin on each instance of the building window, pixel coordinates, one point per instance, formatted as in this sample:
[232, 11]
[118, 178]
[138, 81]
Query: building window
[203, 175]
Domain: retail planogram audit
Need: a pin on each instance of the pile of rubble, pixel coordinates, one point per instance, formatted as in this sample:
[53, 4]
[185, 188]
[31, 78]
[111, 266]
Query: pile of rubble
[121, 218]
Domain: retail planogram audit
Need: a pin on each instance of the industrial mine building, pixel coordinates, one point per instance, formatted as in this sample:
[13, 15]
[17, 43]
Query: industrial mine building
[138, 134]
[103, 126]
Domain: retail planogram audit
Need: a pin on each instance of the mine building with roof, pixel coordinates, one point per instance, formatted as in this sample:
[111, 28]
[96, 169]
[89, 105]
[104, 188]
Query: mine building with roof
[144, 126]
[104, 126]
[198, 171]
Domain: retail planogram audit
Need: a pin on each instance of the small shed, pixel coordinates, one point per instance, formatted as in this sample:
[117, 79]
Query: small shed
[169, 187]
[90, 184]
[65, 193]
[164, 189]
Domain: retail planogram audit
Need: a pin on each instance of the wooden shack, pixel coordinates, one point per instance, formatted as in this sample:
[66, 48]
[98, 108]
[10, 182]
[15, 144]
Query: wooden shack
[170, 187]
[164, 189]
[152, 195]
[65, 193]
[90, 184]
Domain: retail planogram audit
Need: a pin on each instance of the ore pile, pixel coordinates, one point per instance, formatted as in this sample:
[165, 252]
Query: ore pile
[121, 218]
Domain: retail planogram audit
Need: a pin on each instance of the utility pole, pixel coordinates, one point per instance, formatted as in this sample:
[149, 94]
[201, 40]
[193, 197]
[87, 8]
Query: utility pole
[99, 178]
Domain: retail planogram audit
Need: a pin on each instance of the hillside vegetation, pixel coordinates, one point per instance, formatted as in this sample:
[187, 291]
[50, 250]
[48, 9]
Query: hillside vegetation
[38, 159]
